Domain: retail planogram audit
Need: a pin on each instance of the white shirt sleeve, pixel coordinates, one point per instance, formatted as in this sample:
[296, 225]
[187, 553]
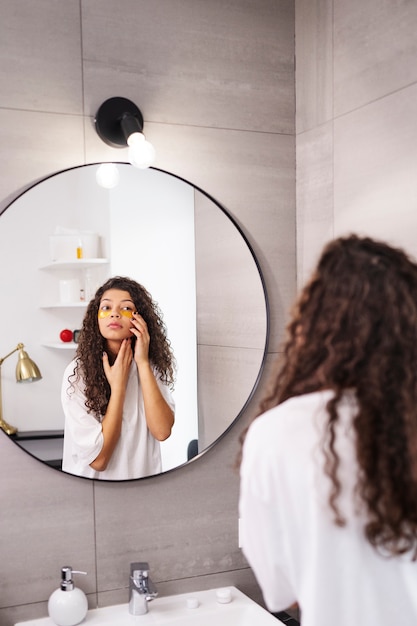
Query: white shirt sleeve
[82, 429]
[164, 389]
[262, 538]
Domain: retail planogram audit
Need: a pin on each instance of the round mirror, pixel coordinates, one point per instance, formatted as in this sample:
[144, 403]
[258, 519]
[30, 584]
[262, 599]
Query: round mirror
[63, 237]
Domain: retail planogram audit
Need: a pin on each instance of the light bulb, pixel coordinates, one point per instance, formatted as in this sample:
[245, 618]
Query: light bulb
[107, 175]
[141, 152]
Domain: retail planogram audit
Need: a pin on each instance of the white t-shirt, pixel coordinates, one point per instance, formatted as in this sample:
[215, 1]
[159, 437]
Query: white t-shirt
[287, 532]
[137, 452]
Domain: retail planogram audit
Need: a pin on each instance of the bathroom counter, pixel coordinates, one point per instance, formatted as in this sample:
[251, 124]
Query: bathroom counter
[222, 607]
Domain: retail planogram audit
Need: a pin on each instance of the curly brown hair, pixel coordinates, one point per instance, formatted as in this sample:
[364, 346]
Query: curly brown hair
[354, 326]
[91, 344]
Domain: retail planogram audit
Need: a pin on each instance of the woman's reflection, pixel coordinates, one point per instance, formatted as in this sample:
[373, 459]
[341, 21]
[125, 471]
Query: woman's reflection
[116, 392]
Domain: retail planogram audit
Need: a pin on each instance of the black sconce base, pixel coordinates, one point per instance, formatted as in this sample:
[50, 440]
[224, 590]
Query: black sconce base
[116, 119]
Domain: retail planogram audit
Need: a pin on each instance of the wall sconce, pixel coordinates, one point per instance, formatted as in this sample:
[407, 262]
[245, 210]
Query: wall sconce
[119, 123]
[26, 371]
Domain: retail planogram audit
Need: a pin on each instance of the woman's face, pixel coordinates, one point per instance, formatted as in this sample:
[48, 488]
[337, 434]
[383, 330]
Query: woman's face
[115, 314]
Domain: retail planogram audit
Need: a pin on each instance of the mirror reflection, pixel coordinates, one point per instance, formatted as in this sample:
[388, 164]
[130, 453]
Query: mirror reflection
[66, 235]
[116, 392]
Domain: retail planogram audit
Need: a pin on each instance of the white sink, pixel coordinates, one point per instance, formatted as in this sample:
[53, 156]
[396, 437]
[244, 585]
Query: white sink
[177, 611]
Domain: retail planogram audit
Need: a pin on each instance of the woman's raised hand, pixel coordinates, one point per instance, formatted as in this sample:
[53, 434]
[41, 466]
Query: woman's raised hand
[118, 373]
[140, 330]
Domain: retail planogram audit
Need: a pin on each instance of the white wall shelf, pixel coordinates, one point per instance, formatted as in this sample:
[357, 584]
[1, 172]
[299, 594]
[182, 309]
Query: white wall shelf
[65, 305]
[69, 345]
[85, 268]
[76, 264]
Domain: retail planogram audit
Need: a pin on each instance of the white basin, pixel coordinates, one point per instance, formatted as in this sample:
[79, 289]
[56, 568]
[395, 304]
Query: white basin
[176, 611]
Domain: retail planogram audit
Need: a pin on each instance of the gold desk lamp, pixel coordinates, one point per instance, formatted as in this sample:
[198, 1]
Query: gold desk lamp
[26, 371]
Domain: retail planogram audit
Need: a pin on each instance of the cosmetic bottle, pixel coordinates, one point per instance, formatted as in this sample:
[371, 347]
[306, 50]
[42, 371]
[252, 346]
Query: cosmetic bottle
[67, 606]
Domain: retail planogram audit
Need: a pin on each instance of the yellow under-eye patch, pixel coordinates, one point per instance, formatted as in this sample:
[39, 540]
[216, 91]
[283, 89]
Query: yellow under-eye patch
[103, 313]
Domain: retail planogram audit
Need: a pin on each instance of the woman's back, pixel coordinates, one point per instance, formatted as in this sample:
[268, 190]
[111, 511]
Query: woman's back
[329, 474]
[289, 536]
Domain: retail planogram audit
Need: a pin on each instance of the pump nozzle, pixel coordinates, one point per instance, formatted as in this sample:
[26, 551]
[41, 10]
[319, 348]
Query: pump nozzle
[67, 584]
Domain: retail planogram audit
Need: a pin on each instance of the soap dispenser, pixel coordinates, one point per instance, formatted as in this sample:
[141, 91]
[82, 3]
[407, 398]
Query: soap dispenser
[67, 606]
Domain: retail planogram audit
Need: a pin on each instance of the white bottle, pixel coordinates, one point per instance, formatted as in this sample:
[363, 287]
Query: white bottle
[67, 606]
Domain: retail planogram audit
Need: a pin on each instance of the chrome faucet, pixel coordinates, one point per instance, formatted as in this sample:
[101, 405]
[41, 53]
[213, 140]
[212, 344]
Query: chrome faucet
[141, 589]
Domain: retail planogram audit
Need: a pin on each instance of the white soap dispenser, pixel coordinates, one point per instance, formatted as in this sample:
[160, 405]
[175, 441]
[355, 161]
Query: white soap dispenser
[67, 606]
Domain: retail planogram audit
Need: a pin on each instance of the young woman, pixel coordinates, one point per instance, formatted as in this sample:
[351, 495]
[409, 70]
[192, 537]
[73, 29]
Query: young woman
[328, 497]
[116, 393]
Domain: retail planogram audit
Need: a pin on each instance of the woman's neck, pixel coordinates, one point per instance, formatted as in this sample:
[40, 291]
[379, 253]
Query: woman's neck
[113, 348]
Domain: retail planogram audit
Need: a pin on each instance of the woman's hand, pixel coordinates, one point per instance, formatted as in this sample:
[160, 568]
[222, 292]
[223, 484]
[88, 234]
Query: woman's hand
[140, 330]
[118, 373]
[111, 424]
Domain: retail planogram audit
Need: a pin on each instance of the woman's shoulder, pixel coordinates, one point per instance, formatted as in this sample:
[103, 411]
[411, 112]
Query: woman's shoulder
[299, 404]
[70, 367]
[292, 414]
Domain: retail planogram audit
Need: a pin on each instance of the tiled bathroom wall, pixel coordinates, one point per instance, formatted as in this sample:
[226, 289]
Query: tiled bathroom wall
[356, 85]
[215, 82]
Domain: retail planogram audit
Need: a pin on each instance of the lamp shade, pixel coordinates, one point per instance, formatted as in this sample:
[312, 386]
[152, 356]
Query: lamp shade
[26, 369]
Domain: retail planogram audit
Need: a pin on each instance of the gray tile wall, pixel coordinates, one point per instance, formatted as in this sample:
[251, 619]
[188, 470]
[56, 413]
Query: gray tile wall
[356, 126]
[215, 82]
